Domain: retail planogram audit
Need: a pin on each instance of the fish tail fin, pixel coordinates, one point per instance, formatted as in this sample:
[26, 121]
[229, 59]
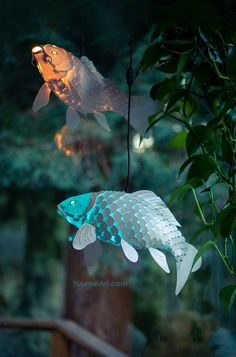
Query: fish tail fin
[141, 108]
[184, 267]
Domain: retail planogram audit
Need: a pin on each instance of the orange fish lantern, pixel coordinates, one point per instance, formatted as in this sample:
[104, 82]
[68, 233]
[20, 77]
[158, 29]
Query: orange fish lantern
[84, 90]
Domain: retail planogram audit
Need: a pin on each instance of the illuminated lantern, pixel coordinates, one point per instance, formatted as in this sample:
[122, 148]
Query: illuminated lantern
[132, 221]
[84, 90]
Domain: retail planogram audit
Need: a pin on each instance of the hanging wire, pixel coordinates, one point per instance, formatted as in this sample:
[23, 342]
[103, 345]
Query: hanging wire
[130, 80]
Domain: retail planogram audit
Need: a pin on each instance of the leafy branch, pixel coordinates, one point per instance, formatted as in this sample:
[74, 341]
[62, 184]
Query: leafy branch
[197, 89]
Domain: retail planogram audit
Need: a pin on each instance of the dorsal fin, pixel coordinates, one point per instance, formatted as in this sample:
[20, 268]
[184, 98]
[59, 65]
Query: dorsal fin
[90, 66]
[158, 204]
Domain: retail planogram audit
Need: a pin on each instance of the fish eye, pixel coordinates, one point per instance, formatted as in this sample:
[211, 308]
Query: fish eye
[54, 52]
[72, 203]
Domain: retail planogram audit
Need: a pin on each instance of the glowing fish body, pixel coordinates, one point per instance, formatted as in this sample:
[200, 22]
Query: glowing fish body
[132, 221]
[83, 89]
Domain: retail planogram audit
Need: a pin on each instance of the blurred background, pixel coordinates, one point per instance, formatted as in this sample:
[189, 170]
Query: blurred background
[42, 163]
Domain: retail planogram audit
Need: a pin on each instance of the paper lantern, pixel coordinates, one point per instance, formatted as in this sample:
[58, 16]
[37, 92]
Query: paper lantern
[84, 90]
[132, 221]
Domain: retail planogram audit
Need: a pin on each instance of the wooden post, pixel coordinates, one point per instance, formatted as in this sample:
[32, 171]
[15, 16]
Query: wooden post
[105, 311]
[59, 345]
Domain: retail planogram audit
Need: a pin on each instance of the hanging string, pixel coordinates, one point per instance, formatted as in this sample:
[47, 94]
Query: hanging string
[81, 49]
[130, 80]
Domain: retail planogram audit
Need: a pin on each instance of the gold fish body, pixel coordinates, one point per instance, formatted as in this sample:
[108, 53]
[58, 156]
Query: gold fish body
[84, 90]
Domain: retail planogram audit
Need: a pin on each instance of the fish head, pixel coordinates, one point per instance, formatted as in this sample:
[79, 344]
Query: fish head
[53, 62]
[74, 208]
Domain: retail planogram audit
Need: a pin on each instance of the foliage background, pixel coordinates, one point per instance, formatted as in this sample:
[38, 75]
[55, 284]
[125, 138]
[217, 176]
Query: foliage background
[35, 176]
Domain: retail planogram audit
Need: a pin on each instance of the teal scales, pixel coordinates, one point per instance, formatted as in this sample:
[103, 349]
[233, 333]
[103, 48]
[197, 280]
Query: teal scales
[132, 221]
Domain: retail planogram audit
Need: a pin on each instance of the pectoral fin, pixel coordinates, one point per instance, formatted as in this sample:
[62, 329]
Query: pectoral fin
[160, 258]
[72, 118]
[42, 98]
[85, 235]
[102, 120]
[129, 251]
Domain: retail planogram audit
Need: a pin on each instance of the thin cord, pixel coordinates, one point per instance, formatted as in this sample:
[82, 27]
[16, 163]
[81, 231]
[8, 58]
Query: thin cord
[130, 80]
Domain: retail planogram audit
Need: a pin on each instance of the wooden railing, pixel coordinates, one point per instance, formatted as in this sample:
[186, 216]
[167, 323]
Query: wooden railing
[65, 334]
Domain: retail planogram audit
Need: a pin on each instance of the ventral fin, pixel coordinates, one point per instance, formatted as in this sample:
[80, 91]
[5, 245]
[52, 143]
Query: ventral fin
[129, 251]
[102, 120]
[160, 258]
[90, 66]
[158, 204]
[42, 98]
[85, 235]
[72, 118]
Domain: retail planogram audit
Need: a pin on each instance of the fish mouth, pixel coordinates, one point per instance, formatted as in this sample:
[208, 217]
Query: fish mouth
[39, 53]
[37, 49]
[61, 211]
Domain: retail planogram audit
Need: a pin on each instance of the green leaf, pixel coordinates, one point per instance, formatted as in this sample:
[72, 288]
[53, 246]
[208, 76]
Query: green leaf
[180, 192]
[162, 90]
[214, 56]
[199, 231]
[188, 162]
[202, 167]
[150, 58]
[232, 63]
[227, 297]
[231, 113]
[154, 119]
[189, 105]
[203, 36]
[201, 76]
[179, 140]
[203, 249]
[225, 221]
[213, 139]
[155, 90]
[168, 66]
[195, 138]
[183, 59]
[174, 98]
[227, 153]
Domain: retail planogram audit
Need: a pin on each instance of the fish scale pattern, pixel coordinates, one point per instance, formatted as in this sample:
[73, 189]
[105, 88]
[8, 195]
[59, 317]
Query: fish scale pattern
[117, 215]
[94, 91]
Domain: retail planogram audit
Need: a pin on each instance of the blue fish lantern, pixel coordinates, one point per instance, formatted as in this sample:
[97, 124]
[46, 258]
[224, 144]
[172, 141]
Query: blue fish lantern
[132, 221]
